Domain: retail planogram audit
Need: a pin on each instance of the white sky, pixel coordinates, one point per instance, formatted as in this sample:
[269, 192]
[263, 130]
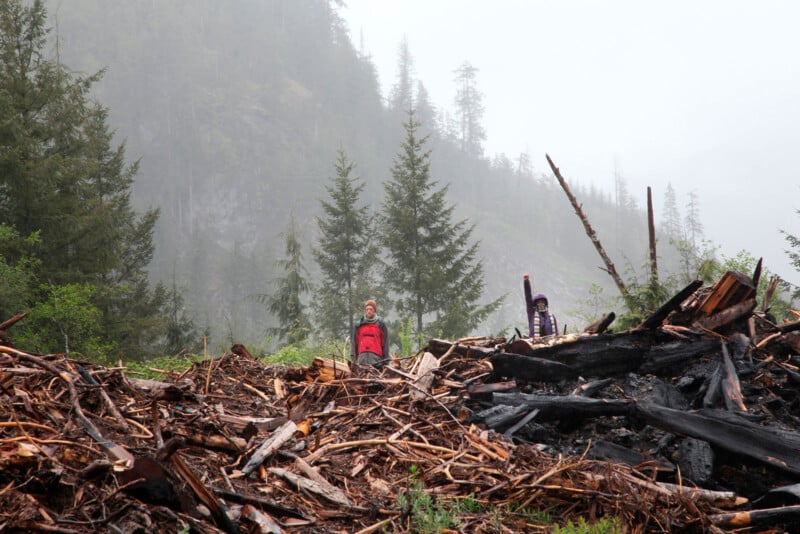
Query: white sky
[701, 94]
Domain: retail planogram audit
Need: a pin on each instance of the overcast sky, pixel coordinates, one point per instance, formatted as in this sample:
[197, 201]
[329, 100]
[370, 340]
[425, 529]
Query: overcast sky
[704, 95]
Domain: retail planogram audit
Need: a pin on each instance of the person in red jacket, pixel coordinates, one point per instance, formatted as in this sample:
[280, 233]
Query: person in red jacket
[370, 338]
[540, 321]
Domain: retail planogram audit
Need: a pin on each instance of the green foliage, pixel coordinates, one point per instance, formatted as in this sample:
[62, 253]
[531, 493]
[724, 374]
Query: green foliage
[61, 178]
[592, 307]
[745, 263]
[794, 254]
[409, 342]
[65, 321]
[303, 352]
[431, 265]
[469, 110]
[346, 253]
[603, 526]
[156, 367]
[181, 334]
[425, 514]
[696, 262]
[286, 302]
[18, 264]
[644, 297]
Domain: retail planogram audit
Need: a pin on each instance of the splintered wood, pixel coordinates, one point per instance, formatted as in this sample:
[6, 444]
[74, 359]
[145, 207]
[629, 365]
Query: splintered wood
[276, 449]
[667, 427]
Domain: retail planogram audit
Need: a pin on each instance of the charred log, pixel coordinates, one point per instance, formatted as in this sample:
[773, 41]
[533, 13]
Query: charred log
[553, 407]
[671, 305]
[729, 432]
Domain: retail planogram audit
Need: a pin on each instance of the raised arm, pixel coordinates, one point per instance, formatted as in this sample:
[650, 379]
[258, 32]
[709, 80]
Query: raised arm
[529, 309]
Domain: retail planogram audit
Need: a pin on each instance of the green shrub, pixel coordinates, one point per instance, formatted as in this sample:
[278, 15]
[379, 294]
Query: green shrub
[425, 514]
[603, 526]
[304, 352]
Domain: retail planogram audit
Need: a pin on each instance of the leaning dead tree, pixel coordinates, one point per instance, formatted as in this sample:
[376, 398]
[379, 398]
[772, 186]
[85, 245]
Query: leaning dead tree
[651, 234]
[610, 268]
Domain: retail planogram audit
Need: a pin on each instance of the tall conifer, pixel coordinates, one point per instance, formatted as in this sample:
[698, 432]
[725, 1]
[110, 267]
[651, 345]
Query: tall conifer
[61, 177]
[431, 263]
[346, 253]
[286, 303]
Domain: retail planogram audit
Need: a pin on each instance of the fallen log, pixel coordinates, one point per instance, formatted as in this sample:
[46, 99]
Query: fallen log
[727, 315]
[753, 518]
[666, 356]
[325, 490]
[731, 388]
[600, 356]
[270, 445]
[657, 318]
[727, 431]
[611, 452]
[564, 406]
[438, 347]
[499, 416]
[590, 388]
[531, 368]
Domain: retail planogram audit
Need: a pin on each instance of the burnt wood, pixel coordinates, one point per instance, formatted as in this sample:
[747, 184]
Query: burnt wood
[553, 407]
[600, 325]
[657, 318]
[600, 356]
[728, 431]
[696, 460]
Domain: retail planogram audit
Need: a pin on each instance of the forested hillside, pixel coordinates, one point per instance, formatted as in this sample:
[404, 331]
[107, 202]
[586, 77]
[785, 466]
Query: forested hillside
[236, 111]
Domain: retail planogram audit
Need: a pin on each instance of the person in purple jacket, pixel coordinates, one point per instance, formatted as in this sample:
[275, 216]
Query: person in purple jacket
[540, 321]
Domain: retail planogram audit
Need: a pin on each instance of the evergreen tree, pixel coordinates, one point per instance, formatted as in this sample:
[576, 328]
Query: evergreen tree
[181, 334]
[61, 177]
[18, 265]
[672, 217]
[694, 228]
[401, 97]
[346, 253]
[794, 254]
[431, 264]
[286, 303]
[425, 111]
[469, 108]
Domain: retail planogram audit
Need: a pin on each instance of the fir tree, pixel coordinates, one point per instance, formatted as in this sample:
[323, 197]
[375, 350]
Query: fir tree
[401, 95]
[346, 253]
[61, 177]
[794, 254]
[286, 303]
[694, 228]
[431, 263]
[672, 217]
[469, 105]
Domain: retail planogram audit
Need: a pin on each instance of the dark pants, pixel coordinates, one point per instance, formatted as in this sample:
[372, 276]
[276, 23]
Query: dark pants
[370, 358]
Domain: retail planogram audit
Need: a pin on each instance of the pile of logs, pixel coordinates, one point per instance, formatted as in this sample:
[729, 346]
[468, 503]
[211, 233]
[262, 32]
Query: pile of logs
[705, 392]
[686, 423]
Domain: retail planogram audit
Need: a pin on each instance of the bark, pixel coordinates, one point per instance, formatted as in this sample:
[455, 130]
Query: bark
[730, 432]
[672, 304]
[610, 268]
[651, 234]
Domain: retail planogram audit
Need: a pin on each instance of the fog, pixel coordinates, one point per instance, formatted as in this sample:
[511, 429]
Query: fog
[704, 96]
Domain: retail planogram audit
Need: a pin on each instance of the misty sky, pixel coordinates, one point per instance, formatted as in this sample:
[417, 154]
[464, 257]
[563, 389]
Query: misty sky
[702, 95]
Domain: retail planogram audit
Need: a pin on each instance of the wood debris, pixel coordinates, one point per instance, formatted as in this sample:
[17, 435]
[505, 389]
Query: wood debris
[673, 426]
